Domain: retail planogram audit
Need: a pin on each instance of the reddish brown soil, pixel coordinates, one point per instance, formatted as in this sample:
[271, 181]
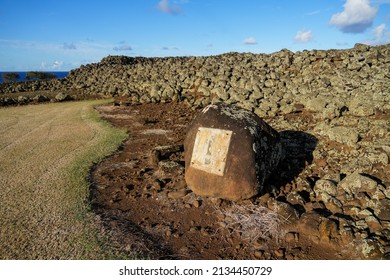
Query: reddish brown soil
[148, 208]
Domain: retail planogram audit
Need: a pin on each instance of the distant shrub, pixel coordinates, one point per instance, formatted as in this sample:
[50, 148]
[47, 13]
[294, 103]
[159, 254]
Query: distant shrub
[33, 75]
[10, 77]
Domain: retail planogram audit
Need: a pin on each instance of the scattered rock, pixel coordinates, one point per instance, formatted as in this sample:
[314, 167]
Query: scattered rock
[286, 213]
[344, 135]
[40, 98]
[382, 209]
[164, 152]
[327, 230]
[196, 203]
[177, 194]
[258, 254]
[373, 224]
[169, 166]
[358, 183]
[325, 188]
[370, 249]
[309, 223]
[60, 97]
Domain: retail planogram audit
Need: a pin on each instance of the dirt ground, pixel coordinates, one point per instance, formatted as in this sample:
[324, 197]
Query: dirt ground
[141, 197]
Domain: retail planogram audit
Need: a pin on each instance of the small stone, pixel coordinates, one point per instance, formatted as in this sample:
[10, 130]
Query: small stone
[290, 257]
[258, 254]
[382, 209]
[361, 225]
[264, 199]
[351, 210]
[279, 253]
[371, 249]
[290, 237]
[62, 97]
[373, 224]
[325, 187]
[317, 104]
[341, 134]
[335, 177]
[364, 214]
[321, 163]
[181, 184]
[196, 203]
[156, 185]
[204, 232]
[309, 223]
[310, 206]
[193, 229]
[347, 236]
[285, 211]
[356, 182]
[23, 99]
[378, 195]
[160, 153]
[328, 230]
[334, 205]
[40, 98]
[295, 198]
[170, 166]
[177, 194]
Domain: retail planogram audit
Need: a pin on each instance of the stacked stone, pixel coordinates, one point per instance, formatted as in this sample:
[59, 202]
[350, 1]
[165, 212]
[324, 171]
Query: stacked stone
[327, 82]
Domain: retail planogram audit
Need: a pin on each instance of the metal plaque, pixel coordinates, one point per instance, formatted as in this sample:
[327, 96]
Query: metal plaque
[210, 150]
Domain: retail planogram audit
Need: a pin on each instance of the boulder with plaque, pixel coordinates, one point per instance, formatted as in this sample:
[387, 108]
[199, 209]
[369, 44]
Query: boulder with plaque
[229, 152]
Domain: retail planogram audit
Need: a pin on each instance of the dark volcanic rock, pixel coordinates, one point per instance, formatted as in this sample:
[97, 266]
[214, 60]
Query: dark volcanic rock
[229, 152]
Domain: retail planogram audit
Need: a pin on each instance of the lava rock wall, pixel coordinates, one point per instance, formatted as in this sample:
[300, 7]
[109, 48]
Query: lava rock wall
[327, 81]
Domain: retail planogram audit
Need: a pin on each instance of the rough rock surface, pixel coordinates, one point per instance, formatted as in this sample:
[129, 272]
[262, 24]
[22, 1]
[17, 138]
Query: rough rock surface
[331, 192]
[331, 83]
[229, 152]
[310, 209]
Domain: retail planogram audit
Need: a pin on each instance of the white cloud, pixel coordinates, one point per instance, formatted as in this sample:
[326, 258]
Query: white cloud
[380, 36]
[379, 31]
[168, 8]
[303, 36]
[250, 41]
[122, 48]
[313, 13]
[56, 65]
[165, 48]
[356, 17]
[342, 44]
[70, 46]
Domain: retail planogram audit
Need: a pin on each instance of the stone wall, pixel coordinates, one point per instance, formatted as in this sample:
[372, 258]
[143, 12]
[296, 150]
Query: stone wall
[329, 82]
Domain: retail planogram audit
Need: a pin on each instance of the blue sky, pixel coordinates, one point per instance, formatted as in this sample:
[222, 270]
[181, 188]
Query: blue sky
[56, 35]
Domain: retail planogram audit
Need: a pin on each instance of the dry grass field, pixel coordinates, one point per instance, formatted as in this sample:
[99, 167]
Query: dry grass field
[45, 154]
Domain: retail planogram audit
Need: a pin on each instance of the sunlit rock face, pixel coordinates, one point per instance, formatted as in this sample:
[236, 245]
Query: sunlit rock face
[229, 152]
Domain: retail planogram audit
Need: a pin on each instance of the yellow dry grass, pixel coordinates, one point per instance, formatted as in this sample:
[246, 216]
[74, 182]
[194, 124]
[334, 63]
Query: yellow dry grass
[45, 154]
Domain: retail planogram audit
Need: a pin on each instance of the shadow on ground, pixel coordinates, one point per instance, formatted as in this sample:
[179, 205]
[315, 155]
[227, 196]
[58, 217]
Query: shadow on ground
[298, 147]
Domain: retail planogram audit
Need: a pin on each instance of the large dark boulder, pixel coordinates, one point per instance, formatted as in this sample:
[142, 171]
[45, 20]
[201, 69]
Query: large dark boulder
[229, 152]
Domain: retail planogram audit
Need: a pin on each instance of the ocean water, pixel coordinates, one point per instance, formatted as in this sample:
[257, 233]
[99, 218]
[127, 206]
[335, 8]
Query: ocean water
[22, 75]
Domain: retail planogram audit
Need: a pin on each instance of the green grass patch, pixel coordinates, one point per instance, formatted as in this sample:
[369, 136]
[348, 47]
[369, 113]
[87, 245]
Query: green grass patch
[110, 139]
[46, 153]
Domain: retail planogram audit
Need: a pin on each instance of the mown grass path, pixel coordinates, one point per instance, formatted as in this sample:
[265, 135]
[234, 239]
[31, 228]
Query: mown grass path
[45, 154]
